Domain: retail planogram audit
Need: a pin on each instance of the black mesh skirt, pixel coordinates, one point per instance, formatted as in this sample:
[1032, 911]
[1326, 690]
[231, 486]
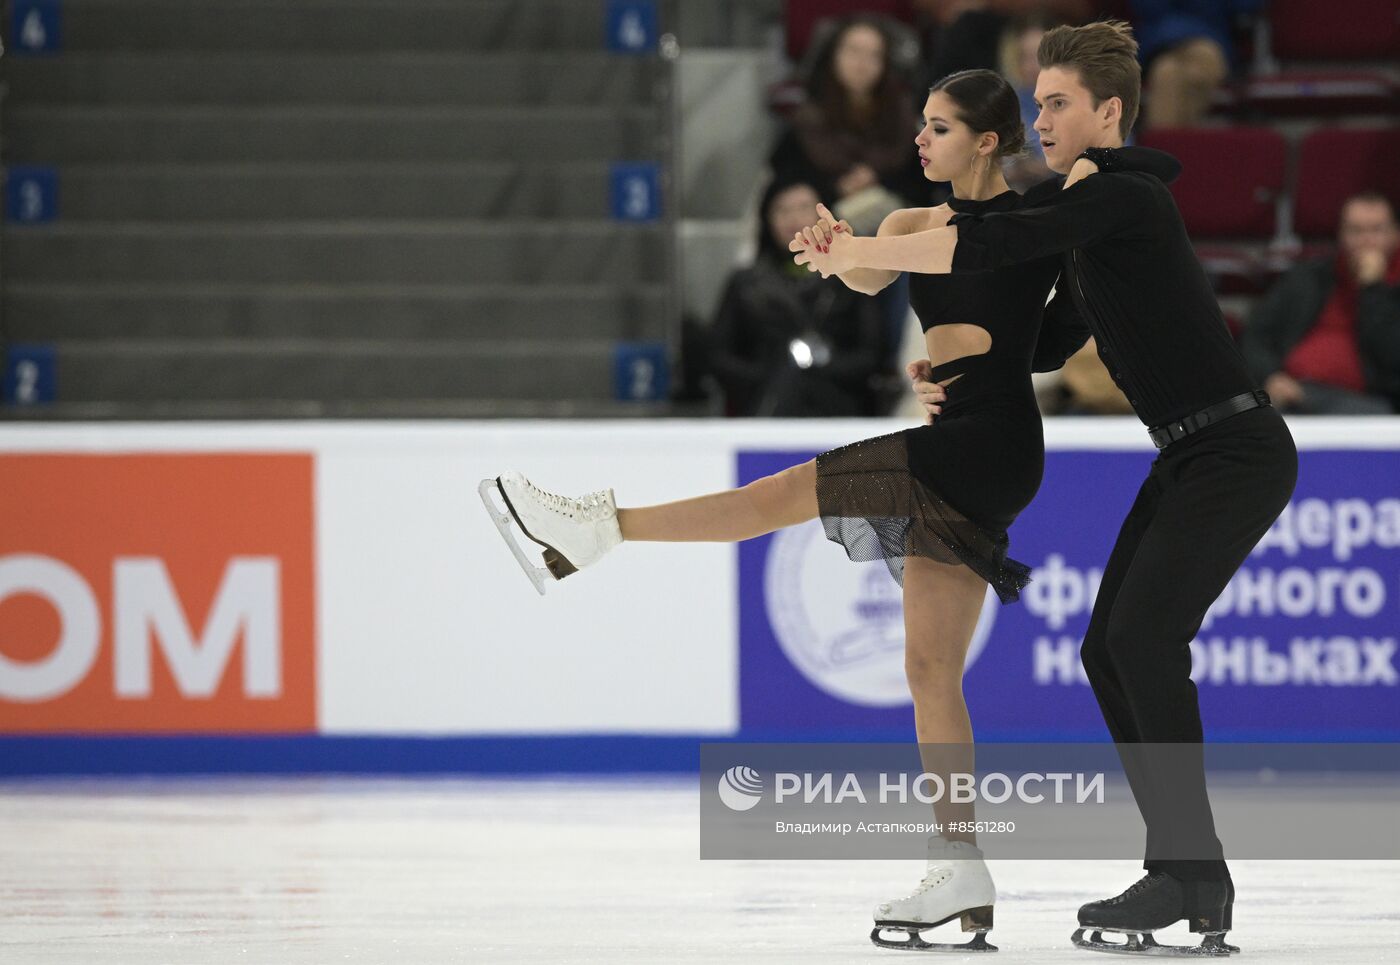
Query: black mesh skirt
[873, 506]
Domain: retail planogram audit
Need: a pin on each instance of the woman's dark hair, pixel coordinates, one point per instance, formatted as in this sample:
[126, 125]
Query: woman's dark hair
[987, 102]
[768, 246]
[890, 97]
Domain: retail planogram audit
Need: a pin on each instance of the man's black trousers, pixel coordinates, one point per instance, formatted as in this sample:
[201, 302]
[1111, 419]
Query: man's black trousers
[1208, 500]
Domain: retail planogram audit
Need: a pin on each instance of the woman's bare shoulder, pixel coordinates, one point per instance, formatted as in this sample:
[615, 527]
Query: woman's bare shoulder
[909, 221]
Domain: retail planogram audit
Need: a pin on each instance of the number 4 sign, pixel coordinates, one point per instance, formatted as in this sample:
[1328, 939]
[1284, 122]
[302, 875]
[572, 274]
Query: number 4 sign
[36, 26]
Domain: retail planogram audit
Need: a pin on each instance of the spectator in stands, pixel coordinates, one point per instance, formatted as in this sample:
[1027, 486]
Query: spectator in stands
[1186, 53]
[1326, 338]
[1020, 65]
[853, 138]
[788, 342]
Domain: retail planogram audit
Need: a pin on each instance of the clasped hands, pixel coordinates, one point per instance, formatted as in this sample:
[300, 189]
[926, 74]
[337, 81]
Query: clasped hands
[826, 246]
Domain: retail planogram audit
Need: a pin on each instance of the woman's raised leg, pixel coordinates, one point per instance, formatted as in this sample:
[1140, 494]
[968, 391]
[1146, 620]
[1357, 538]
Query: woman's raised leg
[577, 532]
[764, 505]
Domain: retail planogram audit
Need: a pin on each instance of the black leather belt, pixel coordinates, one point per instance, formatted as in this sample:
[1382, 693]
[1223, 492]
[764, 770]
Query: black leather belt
[1163, 436]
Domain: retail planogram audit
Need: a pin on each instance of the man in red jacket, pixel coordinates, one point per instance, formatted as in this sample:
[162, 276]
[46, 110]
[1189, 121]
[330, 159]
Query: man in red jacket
[1326, 338]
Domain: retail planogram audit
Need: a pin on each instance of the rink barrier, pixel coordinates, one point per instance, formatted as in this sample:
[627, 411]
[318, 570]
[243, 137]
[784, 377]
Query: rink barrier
[304, 597]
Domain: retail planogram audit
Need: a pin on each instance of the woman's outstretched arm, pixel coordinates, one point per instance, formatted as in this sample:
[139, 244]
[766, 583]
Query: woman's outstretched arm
[927, 252]
[866, 280]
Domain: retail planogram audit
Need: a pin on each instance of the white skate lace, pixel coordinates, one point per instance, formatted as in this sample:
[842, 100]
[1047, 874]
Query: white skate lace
[590, 508]
[933, 879]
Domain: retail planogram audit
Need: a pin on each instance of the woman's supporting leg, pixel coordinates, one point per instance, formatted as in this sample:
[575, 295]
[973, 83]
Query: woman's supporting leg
[942, 603]
[764, 505]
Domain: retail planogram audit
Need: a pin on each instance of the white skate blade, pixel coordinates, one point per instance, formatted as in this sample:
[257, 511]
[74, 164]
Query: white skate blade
[914, 942]
[1142, 943]
[503, 519]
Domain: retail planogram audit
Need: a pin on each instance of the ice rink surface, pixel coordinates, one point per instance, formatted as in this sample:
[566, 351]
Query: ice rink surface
[354, 870]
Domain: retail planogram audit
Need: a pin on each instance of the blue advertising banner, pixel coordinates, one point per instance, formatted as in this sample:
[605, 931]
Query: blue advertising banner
[1300, 646]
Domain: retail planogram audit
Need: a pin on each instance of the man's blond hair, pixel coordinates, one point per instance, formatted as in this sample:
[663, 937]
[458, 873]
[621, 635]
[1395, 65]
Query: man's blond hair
[1105, 56]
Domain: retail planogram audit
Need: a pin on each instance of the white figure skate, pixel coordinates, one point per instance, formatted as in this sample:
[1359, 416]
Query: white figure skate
[957, 884]
[574, 532]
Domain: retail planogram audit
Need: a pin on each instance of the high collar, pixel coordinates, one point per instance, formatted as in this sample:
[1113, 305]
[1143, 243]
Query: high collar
[1006, 201]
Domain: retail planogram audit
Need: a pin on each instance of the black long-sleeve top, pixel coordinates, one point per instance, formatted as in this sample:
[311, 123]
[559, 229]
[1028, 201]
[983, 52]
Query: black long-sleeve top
[1063, 330]
[1131, 270]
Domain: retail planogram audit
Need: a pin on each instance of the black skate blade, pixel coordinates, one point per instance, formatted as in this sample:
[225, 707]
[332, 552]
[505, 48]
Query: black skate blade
[914, 942]
[1212, 945]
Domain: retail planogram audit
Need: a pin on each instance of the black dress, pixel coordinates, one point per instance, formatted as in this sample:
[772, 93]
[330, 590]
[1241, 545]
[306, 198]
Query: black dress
[949, 491]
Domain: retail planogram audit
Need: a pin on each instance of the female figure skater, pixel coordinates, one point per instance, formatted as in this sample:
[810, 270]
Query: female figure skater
[933, 502]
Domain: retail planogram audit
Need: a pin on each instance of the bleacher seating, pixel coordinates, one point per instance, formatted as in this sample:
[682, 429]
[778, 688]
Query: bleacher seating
[1231, 178]
[1335, 30]
[1334, 163]
[370, 207]
[1337, 58]
[1314, 93]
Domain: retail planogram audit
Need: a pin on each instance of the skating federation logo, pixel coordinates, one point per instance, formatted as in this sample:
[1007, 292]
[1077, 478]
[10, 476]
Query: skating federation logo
[842, 623]
[740, 788]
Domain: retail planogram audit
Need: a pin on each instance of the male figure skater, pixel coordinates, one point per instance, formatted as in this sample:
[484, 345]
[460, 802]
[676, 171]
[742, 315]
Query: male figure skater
[1226, 469]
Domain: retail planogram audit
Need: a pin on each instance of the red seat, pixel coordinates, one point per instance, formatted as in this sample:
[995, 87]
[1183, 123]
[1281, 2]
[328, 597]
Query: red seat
[800, 17]
[1334, 164]
[1335, 30]
[1231, 178]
